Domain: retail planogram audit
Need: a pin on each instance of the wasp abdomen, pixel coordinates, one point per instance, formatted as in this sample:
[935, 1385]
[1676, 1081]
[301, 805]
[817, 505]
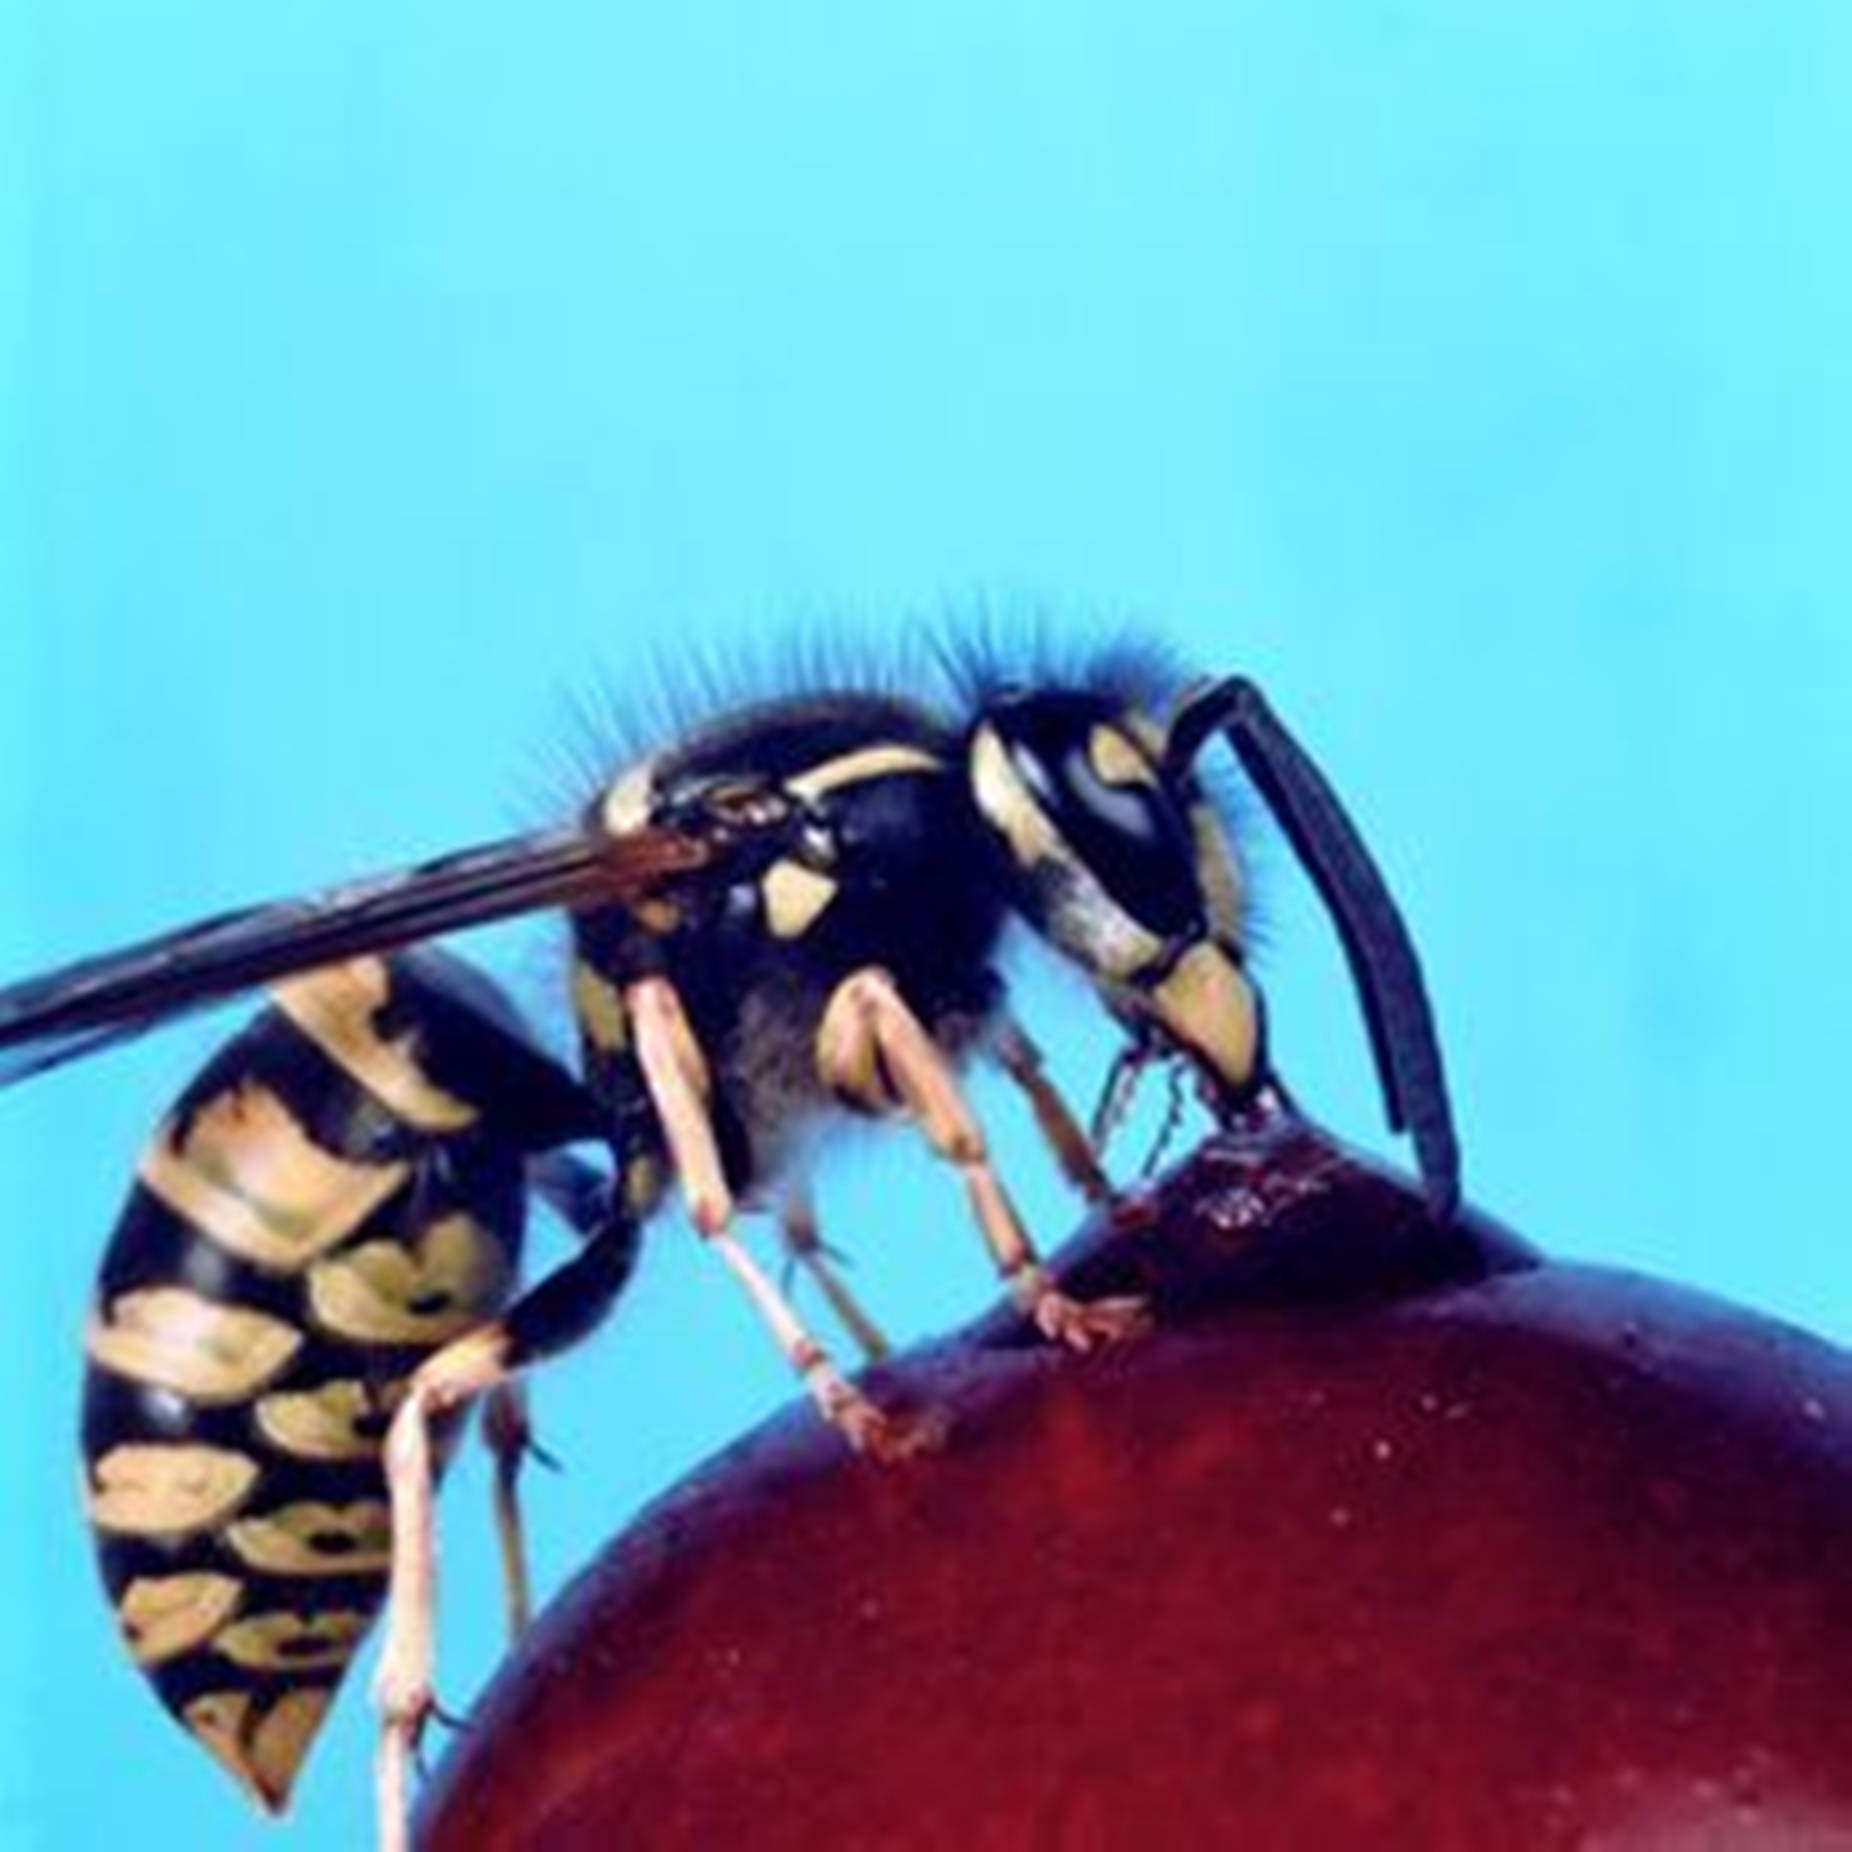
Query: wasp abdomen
[336, 1195]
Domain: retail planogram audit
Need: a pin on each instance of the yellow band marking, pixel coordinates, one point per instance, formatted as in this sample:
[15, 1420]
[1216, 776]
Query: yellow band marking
[794, 896]
[342, 1420]
[434, 1287]
[262, 1749]
[336, 1007]
[174, 1339]
[164, 1616]
[311, 1538]
[284, 1642]
[249, 1176]
[853, 768]
[152, 1489]
[599, 1005]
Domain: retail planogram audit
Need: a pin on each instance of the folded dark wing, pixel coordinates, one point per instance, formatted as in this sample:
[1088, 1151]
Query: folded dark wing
[83, 1007]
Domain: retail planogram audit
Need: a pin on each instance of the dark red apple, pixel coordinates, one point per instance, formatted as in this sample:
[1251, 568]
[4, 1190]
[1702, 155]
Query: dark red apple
[1388, 1535]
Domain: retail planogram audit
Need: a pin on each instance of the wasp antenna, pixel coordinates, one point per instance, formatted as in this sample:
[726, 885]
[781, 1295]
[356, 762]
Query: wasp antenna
[1376, 940]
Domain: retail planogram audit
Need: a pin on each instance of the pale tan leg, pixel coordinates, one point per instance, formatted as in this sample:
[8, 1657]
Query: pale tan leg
[557, 1311]
[797, 1220]
[509, 1435]
[1021, 1059]
[680, 1085]
[869, 1037]
[402, 1683]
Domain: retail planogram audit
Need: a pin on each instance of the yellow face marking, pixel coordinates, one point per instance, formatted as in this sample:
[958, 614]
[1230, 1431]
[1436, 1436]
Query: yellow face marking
[794, 896]
[1151, 734]
[164, 1616]
[599, 1006]
[311, 1538]
[152, 1489]
[1207, 1004]
[1097, 929]
[1116, 759]
[1005, 800]
[263, 1749]
[284, 1642]
[629, 802]
[451, 1277]
[854, 768]
[174, 1339]
[248, 1175]
[339, 1421]
[335, 1008]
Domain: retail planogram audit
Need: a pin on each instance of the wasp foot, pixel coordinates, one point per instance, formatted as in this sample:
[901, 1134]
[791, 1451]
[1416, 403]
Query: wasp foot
[1088, 1324]
[882, 1435]
[405, 1704]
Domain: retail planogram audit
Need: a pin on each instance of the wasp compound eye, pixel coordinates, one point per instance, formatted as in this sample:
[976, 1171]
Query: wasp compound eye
[1101, 794]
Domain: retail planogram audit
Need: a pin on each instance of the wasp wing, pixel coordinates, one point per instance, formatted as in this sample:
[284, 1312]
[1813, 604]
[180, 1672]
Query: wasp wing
[72, 1012]
[1376, 940]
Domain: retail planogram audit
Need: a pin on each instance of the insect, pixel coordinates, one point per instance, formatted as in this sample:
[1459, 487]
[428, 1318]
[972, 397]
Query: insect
[791, 909]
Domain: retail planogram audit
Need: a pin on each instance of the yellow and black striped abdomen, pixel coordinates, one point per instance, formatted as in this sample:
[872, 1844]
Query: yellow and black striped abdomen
[323, 1208]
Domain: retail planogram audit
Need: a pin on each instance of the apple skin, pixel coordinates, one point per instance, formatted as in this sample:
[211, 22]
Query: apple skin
[1387, 1535]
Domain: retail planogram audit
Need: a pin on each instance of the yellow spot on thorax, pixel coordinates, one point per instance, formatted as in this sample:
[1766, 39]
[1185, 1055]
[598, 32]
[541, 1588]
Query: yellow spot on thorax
[794, 895]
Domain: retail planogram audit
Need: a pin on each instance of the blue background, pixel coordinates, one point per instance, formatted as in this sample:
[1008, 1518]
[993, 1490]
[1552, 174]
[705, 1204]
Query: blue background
[371, 379]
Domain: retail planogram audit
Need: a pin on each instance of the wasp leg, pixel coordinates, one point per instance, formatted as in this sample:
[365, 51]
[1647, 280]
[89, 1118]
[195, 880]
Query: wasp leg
[797, 1221]
[508, 1432]
[872, 1049]
[579, 1194]
[679, 1082]
[551, 1315]
[1021, 1060]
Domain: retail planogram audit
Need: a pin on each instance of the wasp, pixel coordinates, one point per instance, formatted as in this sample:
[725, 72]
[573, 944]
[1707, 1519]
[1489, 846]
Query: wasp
[791, 909]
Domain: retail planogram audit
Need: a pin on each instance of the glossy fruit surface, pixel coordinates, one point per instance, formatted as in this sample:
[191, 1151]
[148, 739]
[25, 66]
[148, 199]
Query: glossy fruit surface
[1386, 1536]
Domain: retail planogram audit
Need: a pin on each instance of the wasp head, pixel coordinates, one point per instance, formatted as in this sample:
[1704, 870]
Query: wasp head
[1122, 865]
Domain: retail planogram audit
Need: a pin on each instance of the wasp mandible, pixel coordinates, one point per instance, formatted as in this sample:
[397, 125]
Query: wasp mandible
[790, 909]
